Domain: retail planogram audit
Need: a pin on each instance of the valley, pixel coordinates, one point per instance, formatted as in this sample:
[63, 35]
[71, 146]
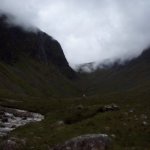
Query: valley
[35, 76]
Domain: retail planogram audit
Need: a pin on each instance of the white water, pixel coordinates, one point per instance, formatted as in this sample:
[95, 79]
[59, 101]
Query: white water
[15, 118]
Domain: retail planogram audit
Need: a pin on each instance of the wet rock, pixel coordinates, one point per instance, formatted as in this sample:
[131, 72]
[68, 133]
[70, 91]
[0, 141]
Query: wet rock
[86, 142]
[9, 115]
[1, 113]
[4, 119]
[10, 119]
[2, 125]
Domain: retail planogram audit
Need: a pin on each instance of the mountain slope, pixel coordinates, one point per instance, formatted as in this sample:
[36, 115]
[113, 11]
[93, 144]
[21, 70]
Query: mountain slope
[134, 74]
[32, 63]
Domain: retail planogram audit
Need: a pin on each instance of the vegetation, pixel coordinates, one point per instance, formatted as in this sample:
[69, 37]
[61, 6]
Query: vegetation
[126, 126]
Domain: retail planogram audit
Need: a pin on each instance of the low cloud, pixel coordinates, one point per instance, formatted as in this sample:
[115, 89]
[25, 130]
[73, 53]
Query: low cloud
[88, 30]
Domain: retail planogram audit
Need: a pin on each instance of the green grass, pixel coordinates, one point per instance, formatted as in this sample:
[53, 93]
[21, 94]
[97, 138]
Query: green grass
[129, 132]
[29, 77]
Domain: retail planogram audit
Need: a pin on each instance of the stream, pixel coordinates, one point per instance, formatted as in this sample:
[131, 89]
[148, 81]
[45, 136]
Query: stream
[11, 119]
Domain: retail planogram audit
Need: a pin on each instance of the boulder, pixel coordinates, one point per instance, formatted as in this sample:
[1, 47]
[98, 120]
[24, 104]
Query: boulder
[107, 108]
[9, 145]
[13, 144]
[86, 142]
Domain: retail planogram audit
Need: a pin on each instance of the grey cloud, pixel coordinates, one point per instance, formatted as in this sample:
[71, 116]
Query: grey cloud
[88, 31]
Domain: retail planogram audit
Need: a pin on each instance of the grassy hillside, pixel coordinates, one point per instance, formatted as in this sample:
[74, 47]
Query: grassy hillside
[33, 64]
[31, 78]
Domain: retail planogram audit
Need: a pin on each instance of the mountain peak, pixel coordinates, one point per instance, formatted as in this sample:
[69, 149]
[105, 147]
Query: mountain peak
[16, 43]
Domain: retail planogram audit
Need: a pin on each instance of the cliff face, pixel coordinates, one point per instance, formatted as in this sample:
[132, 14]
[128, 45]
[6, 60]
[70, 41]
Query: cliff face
[15, 43]
[32, 63]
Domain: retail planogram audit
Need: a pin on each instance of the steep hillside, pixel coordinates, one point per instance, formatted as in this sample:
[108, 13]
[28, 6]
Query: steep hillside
[32, 63]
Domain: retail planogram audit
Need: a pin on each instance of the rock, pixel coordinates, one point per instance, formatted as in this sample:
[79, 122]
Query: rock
[112, 107]
[1, 113]
[106, 108]
[4, 119]
[60, 123]
[2, 125]
[10, 119]
[115, 107]
[144, 123]
[84, 96]
[131, 110]
[113, 136]
[24, 118]
[9, 115]
[22, 114]
[80, 107]
[143, 116]
[13, 144]
[86, 142]
[9, 145]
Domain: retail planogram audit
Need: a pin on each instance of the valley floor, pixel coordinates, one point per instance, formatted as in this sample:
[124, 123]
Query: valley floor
[128, 126]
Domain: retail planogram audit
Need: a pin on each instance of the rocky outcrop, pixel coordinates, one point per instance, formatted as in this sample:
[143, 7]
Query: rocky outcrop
[107, 108]
[86, 142]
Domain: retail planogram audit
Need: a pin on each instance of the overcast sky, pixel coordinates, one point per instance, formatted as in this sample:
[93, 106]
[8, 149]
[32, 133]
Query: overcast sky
[88, 30]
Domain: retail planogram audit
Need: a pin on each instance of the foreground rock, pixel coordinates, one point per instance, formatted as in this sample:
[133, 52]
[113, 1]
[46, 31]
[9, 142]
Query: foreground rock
[86, 142]
[9, 145]
[13, 144]
[10, 119]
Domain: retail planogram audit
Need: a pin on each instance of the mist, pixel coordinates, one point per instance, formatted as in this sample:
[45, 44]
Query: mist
[89, 31]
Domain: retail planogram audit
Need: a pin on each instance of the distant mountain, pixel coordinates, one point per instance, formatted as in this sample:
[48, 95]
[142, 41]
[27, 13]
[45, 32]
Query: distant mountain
[86, 67]
[32, 63]
[134, 74]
